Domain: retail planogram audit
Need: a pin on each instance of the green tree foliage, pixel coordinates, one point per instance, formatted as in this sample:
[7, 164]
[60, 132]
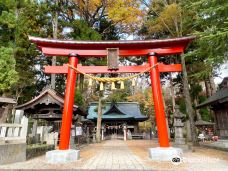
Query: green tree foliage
[79, 100]
[8, 75]
[81, 31]
[211, 26]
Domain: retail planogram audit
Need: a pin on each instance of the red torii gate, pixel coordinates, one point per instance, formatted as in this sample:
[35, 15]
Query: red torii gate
[85, 49]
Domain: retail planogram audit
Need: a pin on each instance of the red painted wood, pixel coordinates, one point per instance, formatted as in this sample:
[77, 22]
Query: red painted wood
[68, 105]
[104, 69]
[158, 103]
[48, 51]
[121, 44]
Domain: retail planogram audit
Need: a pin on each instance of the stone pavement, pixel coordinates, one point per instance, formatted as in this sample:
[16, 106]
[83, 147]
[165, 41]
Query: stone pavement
[129, 155]
[115, 154]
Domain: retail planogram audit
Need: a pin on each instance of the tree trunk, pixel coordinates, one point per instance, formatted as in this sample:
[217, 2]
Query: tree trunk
[197, 111]
[188, 102]
[55, 33]
[212, 85]
[172, 92]
[81, 83]
[99, 115]
[207, 86]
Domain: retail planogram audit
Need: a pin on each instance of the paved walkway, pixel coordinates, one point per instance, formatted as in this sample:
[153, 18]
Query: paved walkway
[114, 154]
[129, 155]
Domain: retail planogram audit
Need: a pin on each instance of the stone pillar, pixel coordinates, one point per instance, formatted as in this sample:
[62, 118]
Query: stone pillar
[179, 139]
[188, 128]
[34, 132]
[129, 137]
[136, 128]
[125, 132]
[102, 133]
[3, 132]
[10, 132]
[18, 116]
[16, 132]
[94, 136]
[24, 129]
[72, 137]
[40, 131]
[87, 135]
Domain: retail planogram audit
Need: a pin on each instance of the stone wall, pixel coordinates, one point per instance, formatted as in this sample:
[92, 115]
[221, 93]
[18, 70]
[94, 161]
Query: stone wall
[12, 152]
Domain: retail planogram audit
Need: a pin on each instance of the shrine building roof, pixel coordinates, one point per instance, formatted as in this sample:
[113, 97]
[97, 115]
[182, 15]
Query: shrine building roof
[47, 100]
[117, 111]
[221, 96]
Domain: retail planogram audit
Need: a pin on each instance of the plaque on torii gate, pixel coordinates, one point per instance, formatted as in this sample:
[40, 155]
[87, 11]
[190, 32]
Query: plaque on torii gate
[113, 58]
[86, 49]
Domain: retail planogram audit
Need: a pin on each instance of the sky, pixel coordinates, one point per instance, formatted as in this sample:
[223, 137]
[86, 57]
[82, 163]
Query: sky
[223, 73]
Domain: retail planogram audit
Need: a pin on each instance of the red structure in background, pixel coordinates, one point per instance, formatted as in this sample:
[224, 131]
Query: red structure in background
[85, 49]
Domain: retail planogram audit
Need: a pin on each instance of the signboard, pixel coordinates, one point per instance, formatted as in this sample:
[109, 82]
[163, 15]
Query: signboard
[78, 130]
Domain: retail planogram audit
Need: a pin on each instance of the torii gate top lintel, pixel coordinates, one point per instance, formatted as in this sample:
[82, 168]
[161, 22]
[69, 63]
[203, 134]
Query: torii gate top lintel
[55, 47]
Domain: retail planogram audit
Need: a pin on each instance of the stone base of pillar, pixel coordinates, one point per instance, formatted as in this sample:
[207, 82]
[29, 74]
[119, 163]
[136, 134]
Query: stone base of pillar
[184, 147]
[62, 156]
[165, 153]
[180, 141]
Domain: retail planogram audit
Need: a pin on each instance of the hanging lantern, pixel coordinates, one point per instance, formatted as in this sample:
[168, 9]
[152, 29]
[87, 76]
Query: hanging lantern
[121, 85]
[133, 82]
[113, 86]
[90, 82]
[101, 86]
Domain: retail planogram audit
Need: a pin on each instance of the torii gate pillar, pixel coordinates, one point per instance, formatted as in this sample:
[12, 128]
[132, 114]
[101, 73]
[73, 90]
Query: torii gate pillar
[68, 104]
[164, 152]
[158, 102]
[64, 154]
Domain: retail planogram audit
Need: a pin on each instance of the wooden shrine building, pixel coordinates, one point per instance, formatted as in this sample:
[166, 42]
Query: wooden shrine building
[219, 104]
[116, 115]
[48, 105]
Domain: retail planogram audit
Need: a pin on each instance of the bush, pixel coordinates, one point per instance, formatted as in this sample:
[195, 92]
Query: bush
[35, 150]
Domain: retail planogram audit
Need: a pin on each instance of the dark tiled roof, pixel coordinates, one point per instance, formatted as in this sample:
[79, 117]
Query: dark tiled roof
[221, 96]
[52, 96]
[117, 111]
[203, 123]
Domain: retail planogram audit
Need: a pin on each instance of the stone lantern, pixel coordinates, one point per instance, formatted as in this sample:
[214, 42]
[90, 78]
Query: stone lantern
[178, 125]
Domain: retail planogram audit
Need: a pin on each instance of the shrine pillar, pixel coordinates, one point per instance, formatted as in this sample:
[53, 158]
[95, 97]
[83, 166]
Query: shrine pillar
[68, 104]
[164, 152]
[158, 102]
[64, 154]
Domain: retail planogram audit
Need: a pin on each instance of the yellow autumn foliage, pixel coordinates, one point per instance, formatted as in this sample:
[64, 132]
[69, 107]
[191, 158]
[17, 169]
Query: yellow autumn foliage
[125, 13]
[145, 101]
[169, 19]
